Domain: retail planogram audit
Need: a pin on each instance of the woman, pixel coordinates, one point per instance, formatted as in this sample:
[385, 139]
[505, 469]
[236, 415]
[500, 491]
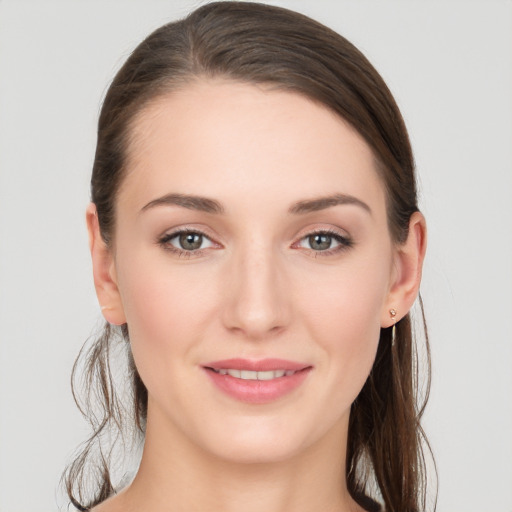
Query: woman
[255, 235]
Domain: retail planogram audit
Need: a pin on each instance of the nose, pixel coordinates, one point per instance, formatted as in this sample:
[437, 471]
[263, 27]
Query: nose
[258, 300]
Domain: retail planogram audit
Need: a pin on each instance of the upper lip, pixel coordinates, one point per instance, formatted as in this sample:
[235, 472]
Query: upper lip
[260, 365]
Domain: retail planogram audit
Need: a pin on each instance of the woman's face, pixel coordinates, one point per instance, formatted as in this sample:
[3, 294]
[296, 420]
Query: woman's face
[251, 240]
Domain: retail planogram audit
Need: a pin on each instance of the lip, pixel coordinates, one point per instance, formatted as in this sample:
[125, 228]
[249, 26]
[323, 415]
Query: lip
[261, 365]
[257, 391]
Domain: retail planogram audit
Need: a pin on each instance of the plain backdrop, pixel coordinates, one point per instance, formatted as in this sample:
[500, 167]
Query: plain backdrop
[449, 65]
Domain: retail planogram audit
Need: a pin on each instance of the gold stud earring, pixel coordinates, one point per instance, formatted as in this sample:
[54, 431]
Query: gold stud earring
[392, 313]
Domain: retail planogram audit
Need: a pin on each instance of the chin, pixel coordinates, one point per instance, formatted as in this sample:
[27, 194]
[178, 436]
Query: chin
[259, 442]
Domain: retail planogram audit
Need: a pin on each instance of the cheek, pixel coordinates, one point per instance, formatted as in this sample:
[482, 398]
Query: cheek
[167, 311]
[343, 316]
[346, 304]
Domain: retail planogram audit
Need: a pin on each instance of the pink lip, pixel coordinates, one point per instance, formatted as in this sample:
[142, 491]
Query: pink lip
[257, 391]
[263, 365]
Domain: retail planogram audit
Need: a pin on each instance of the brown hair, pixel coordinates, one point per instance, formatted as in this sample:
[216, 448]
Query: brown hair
[261, 44]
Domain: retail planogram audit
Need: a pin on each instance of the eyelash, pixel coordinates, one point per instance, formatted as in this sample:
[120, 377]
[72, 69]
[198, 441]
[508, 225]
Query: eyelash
[344, 242]
[165, 239]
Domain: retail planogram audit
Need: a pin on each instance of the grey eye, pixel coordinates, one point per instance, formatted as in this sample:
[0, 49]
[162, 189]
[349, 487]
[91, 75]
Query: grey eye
[190, 241]
[187, 241]
[320, 241]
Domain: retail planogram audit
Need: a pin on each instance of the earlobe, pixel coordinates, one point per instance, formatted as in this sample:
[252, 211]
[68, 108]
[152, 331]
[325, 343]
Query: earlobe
[105, 279]
[408, 270]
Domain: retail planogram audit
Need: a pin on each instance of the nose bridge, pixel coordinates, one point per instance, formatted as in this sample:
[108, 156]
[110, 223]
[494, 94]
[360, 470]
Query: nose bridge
[258, 303]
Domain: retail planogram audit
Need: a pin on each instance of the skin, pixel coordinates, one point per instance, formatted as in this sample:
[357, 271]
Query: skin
[257, 288]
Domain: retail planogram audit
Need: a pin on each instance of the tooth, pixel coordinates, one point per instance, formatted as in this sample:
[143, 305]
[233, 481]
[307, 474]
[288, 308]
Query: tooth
[253, 375]
[266, 375]
[249, 375]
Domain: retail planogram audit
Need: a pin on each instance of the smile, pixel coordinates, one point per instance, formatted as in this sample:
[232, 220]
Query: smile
[254, 375]
[257, 382]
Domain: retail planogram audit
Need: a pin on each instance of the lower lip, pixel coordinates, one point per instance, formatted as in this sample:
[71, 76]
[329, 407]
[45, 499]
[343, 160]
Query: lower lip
[258, 391]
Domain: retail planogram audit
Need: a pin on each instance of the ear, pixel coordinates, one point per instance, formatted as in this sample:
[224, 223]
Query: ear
[103, 265]
[408, 265]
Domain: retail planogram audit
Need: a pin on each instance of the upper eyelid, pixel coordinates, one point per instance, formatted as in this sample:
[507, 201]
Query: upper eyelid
[171, 233]
[332, 231]
[175, 234]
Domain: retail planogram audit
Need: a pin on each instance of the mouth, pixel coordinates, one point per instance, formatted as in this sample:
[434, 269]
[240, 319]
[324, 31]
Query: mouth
[257, 382]
[254, 375]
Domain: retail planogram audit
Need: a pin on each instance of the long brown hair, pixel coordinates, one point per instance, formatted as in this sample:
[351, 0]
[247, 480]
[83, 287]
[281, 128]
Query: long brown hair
[261, 44]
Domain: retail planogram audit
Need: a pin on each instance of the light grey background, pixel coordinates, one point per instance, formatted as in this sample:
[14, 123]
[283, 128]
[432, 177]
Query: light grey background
[449, 65]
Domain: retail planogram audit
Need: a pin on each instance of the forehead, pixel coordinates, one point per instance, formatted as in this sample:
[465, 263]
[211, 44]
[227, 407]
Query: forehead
[226, 139]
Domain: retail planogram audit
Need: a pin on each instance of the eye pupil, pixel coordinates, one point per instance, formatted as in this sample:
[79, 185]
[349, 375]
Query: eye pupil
[320, 242]
[191, 241]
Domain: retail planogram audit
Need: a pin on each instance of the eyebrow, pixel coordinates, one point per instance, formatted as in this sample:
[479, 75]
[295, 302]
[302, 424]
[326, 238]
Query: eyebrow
[321, 203]
[199, 203]
[207, 205]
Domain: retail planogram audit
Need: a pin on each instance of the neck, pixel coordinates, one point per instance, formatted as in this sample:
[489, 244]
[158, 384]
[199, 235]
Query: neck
[177, 476]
